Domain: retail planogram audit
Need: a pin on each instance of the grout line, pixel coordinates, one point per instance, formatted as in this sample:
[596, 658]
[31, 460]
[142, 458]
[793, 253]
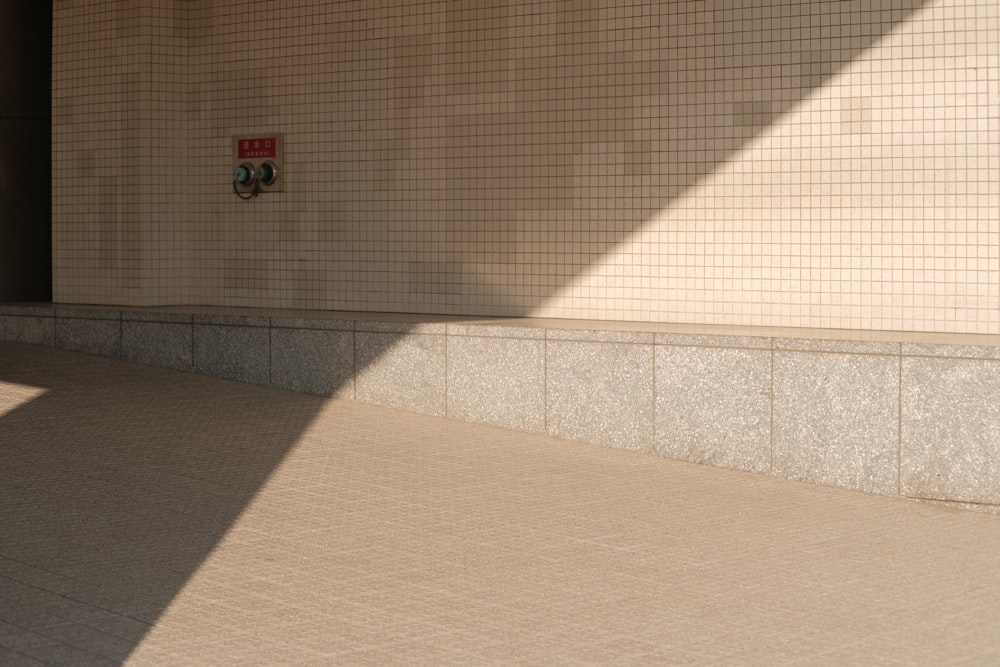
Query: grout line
[947, 356]
[545, 384]
[771, 431]
[899, 427]
[446, 411]
[354, 362]
[863, 354]
[653, 446]
[712, 347]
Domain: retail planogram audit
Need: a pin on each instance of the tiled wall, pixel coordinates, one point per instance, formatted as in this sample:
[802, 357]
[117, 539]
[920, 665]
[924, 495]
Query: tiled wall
[820, 163]
[119, 165]
[884, 416]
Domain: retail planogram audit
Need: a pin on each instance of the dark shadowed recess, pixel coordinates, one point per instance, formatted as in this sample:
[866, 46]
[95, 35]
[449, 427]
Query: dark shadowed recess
[25, 173]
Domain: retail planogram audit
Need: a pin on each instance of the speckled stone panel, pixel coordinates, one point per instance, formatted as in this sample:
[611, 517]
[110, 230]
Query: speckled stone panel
[232, 352]
[713, 405]
[401, 370]
[164, 344]
[27, 310]
[225, 319]
[600, 393]
[156, 316]
[836, 419]
[88, 312]
[325, 323]
[28, 329]
[498, 381]
[495, 331]
[701, 340]
[833, 345]
[394, 326]
[601, 335]
[951, 430]
[94, 336]
[313, 361]
[960, 351]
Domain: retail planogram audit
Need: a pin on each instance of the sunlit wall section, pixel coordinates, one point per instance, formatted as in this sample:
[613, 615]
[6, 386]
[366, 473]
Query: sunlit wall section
[872, 203]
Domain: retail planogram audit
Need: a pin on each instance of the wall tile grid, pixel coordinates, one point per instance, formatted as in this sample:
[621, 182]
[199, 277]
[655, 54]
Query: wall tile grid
[119, 153]
[813, 163]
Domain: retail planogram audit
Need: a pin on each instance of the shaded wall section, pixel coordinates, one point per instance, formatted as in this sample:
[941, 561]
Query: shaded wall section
[25, 209]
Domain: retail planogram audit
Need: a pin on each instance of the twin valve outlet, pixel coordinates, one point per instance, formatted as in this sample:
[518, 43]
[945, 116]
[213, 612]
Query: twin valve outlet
[256, 165]
[246, 176]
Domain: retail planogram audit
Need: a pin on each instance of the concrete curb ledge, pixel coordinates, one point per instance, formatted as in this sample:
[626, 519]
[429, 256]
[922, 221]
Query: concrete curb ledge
[893, 413]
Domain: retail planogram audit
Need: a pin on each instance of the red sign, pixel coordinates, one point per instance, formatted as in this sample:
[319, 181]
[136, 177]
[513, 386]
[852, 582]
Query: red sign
[258, 147]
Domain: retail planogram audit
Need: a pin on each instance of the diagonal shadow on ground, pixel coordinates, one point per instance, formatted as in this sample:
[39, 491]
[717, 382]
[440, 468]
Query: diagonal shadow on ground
[115, 484]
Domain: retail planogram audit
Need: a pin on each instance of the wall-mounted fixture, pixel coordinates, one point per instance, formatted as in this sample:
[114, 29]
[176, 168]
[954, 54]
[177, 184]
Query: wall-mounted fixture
[257, 165]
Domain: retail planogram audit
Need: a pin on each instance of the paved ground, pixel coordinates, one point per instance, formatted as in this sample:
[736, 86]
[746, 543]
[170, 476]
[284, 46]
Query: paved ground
[155, 517]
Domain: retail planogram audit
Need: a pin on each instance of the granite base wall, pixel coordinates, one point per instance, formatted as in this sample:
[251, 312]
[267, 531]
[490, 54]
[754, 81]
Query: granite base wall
[897, 418]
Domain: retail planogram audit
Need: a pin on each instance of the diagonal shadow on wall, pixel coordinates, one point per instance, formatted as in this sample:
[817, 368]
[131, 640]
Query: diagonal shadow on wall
[119, 481]
[505, 169]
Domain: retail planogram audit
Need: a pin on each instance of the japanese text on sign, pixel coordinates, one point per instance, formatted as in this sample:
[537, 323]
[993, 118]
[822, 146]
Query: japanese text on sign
[254, 148]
